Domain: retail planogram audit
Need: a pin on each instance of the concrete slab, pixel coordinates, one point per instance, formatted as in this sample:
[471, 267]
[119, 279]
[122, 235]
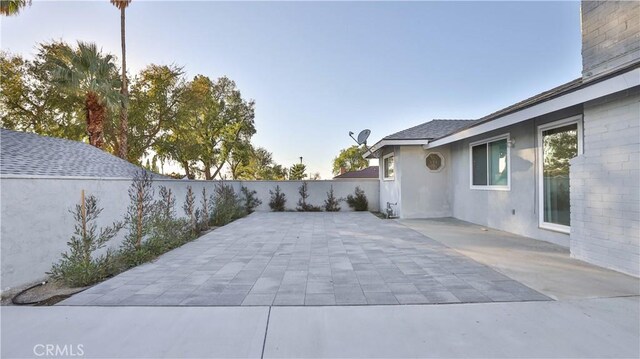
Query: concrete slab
[540, 265]
[595, 328]
[134, 332]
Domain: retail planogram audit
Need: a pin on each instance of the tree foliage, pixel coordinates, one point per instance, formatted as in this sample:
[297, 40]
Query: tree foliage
[297, 172]
[350, 159]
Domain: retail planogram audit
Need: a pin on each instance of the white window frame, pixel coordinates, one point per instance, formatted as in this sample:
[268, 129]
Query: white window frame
[384, 167]
[547, 126]
[489, 187]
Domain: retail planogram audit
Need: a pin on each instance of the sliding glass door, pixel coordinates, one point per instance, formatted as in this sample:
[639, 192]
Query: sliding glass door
[558, 143]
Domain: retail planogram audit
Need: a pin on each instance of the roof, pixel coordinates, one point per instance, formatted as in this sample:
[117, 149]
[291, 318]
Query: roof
[555, 92]
[369, 172]
[23, 153]
[430, 130]
[607, 83]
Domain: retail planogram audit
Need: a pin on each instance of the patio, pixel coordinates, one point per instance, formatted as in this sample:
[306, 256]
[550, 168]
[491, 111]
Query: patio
[311, 259]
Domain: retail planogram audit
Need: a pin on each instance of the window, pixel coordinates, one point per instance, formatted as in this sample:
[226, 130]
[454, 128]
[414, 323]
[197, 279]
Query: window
[490, 164]
[388, 168]
[434, 162]
[558, 143]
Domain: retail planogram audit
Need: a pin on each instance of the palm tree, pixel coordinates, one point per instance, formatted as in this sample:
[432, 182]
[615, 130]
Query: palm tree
[12, 7]
[124, 120]
[89, 73]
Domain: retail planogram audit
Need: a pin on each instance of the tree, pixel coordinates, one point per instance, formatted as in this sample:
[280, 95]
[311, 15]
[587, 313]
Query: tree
[31, 101]
[124, 91]
[214, 120]
[351, 159]
[297, 172]
[12, 7]
[154, 108]
[86, 71]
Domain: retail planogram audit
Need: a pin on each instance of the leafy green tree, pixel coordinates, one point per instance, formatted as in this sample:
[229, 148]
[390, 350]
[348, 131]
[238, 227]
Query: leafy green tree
[214, 119]
[297, 172]
[154, 108]
[350, 159]
[85, 71]
[30, 101]
[124, 89]
[12, 7]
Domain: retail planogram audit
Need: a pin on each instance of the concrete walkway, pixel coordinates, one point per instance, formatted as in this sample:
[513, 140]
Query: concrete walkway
[543, 266]
[592, 328]
[344, 258]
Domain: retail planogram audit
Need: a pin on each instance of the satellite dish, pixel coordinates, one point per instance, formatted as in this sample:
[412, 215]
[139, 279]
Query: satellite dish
[362, 136]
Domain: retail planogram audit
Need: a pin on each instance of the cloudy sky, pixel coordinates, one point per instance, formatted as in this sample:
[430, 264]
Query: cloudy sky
[318, 70]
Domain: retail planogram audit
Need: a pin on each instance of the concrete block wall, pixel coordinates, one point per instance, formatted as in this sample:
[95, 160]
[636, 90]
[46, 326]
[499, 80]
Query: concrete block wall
[36, 224]
[605, 185]
[610, 35]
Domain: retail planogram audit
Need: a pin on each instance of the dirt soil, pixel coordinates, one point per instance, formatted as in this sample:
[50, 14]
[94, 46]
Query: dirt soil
[49, 294]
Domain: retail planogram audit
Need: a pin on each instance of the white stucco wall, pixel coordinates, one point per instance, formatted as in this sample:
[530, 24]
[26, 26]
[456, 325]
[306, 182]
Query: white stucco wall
[35, 223]
[429, 194]
[495, 208]
[605, 185]
[390, 189]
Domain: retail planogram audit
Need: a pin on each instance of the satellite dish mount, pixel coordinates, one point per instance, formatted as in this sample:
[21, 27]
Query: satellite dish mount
[362, 138]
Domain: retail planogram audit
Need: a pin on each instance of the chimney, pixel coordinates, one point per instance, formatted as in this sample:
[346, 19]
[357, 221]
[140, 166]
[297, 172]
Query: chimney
[610, 35]
[343, 170]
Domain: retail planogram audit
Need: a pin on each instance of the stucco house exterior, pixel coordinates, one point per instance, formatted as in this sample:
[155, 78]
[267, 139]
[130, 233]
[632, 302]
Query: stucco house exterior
[562, 166]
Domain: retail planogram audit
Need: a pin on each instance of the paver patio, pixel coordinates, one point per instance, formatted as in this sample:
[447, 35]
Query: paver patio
[290, 258]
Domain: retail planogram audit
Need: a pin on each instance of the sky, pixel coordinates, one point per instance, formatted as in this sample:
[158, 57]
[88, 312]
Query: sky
[318, 70]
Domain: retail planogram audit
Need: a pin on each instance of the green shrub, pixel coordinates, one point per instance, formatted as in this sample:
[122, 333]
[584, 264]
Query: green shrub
[227, 207]
[332, 204]
[206, 217]
[193, 213]
[138, 221]
[278, 200]
[167, 231]
[303, 206]
[250, 202]
[358, 201]
[80, 266]
[138, 216]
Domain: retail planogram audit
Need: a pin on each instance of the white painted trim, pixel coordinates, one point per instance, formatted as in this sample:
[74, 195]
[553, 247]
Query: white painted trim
[615, 84]
[382, 143]
[392, 154]
[567, 121]
[488, 187]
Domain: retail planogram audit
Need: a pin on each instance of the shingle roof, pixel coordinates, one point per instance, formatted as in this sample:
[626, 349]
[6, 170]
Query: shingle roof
[430, 130]
[24, 153]
[557, 91]
[369, 172]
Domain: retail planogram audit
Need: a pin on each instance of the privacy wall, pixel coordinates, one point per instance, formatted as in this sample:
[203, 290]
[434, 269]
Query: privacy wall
[36, 223]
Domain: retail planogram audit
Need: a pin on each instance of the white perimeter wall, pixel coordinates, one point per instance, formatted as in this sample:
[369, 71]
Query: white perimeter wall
[35, 223]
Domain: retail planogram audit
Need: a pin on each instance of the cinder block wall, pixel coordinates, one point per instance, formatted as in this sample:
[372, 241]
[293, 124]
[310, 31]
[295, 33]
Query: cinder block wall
[605, 185]
[610, 35]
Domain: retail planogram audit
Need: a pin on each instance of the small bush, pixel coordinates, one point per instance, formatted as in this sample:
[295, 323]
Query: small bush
[193, 213]
[138, 221]
[167, 231]
[358, 201]
[250, 202]
[331, 204]
[278, 200]
[303, 206]
[80, 266]
[227, 207]
[206, 218]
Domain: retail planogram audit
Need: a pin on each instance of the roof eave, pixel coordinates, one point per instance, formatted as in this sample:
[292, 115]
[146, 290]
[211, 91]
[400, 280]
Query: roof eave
[371, 152]
[590, 91]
